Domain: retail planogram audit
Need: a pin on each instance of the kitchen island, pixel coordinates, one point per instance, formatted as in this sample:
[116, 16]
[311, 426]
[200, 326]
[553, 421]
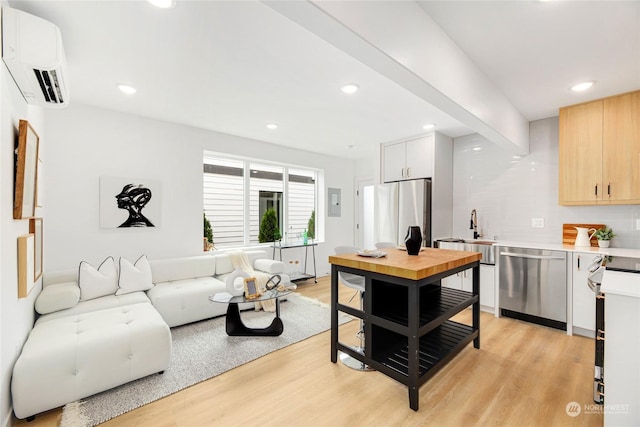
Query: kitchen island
[408, 334]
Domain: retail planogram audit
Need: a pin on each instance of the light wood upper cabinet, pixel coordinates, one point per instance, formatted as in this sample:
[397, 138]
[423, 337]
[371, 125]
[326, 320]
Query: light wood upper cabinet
[408, 160]
[599, 152]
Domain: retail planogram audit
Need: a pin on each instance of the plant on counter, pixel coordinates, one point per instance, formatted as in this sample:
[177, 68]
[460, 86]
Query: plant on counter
[604, 233]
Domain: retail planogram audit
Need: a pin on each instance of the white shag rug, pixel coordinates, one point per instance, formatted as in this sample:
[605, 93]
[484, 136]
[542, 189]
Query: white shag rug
[201, 351]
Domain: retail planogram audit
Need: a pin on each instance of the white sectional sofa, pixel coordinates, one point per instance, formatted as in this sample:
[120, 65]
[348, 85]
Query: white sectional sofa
[81, 347]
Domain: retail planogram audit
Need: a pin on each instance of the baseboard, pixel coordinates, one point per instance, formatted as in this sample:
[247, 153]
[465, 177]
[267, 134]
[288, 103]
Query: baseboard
[8, 422]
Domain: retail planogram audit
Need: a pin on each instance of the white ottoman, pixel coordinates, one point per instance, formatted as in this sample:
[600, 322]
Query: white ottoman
[72, 357]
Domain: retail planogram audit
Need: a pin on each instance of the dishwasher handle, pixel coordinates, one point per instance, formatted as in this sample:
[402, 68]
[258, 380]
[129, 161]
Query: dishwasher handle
[528, 256]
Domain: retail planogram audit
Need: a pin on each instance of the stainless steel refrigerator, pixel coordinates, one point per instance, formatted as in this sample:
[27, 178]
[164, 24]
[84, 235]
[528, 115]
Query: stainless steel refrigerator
[399, 205]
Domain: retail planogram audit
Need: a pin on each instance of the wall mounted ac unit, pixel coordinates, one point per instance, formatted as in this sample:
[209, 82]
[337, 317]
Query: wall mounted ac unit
[32, 50]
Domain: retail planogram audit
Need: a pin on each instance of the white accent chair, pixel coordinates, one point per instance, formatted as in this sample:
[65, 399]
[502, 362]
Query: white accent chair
[356, 282]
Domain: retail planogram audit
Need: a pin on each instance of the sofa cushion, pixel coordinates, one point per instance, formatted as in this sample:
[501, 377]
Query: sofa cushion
[98, 282]
[269, 266]
[102, 303]
[58, 297]
[166, 270]
[134, 277]
[73, 357]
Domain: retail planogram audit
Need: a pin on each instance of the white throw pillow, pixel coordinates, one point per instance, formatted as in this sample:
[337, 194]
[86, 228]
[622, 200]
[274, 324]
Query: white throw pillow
[134, 277]
[95, 283]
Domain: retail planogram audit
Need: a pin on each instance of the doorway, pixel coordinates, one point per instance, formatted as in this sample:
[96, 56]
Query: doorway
[364, 221]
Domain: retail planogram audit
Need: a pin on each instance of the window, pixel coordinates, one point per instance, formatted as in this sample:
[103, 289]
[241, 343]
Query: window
[238, 192]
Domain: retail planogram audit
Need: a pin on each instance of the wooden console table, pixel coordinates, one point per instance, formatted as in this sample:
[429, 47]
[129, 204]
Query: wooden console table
[408, 334]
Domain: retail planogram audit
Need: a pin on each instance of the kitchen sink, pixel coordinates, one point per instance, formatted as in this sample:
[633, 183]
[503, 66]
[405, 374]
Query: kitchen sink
[485, 247]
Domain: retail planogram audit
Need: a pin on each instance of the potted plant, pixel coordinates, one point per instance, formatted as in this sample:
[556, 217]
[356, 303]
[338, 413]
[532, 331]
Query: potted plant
[311, 226]
[208, 234]
[269, 231]
[604, 235]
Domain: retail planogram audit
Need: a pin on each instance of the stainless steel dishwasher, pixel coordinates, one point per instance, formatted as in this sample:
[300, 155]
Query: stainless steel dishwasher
[533, 285]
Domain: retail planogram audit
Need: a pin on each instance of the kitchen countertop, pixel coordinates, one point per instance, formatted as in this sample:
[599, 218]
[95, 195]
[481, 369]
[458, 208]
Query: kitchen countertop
[624, 252]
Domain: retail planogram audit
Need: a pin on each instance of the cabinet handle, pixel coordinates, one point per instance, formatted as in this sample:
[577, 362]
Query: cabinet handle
[609, 190]
[600, 296]
[600, 335]
[578, 262]
[596, 189]
[408, 172]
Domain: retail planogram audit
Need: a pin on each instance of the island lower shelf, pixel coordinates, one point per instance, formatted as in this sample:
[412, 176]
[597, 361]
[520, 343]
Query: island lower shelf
[390, 350]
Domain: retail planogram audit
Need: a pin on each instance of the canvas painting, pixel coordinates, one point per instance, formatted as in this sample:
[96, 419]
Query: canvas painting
[129, 203]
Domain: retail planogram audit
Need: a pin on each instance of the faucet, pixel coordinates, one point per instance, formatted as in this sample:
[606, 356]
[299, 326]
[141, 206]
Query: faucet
[474, 225]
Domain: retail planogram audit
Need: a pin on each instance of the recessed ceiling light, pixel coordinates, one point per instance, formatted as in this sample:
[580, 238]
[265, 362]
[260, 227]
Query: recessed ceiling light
[163, 4]
[477, 148]
[272, 126]
[126, 89]
[349, 89]
[582, 86]
[429, 126]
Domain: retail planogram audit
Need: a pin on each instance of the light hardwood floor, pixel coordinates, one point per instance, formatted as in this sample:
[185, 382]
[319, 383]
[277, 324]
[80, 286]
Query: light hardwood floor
[523, 375]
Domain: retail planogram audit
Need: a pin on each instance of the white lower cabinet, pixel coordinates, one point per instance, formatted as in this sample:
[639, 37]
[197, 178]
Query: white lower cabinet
[584, 300]
[464, 281]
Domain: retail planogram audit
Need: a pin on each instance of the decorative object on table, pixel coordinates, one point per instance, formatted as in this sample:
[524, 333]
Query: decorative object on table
[26, 171]
[583, 238]
[273, 282]
[208, 234]
[604, 236]
[413, 240]
[123, 200]
[25, 265]
[236, 287]
[251, 288]
[35, 228]
[569, 233]
[371, 254]
[269, 231]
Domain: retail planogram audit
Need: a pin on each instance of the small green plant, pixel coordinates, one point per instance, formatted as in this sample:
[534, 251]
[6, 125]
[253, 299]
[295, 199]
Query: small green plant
[269, 231]
[311, 226]
[208, 231]
[604, 233]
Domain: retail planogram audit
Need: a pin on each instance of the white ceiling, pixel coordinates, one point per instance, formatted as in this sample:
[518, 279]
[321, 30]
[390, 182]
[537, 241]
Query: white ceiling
[235, 66]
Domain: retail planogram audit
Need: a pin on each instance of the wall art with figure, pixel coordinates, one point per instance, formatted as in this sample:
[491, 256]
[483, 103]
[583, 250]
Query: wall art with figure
[129, 203]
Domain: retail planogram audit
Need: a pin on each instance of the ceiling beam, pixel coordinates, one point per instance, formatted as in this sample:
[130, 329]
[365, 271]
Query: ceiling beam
[401, 42]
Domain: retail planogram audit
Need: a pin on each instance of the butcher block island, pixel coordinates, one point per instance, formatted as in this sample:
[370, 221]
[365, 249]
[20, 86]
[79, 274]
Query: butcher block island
[408, 334]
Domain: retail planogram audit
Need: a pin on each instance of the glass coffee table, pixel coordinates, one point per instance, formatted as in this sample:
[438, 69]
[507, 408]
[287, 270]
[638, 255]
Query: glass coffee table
[233, 322]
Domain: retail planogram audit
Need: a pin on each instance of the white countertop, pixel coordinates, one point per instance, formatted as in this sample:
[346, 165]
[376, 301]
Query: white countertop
[621, 283]
[624, 252]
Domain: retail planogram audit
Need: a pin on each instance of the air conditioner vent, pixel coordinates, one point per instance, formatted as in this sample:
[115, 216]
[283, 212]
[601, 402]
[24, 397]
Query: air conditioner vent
[48, 81]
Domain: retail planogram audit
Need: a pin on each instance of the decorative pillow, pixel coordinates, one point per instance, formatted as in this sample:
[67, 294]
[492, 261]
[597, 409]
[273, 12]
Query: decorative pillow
[134, 277]
[95, 283]
[58, 297]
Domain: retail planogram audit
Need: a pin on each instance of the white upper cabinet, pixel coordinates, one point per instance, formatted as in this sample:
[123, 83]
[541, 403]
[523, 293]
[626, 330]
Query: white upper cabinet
[411, 159]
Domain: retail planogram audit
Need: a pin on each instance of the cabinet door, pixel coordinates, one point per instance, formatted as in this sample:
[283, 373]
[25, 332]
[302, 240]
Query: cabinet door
[487, 285]
[452, 282]
[420, 158]
[393, 167]
[621, 143]
[580, 154]
[584, 300]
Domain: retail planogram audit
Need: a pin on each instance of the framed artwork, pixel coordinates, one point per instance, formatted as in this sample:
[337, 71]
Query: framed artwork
[26, 172]
[25, 265]
[251, 288]
[35, 228]
[129, 203]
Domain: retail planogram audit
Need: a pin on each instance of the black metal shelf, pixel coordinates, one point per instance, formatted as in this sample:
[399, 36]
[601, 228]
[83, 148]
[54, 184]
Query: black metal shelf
[437, 346]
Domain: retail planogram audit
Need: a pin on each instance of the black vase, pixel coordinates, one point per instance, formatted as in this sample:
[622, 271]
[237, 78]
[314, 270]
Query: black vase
[413, 240]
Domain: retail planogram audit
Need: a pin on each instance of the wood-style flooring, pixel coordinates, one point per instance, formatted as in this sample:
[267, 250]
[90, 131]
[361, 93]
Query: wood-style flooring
[523, 375]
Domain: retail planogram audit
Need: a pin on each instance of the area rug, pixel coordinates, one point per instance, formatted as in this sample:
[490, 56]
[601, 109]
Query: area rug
[201, 351]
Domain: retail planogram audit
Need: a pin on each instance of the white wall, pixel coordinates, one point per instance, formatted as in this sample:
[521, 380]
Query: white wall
[16, 315]
[85, 143]
[507, 192]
